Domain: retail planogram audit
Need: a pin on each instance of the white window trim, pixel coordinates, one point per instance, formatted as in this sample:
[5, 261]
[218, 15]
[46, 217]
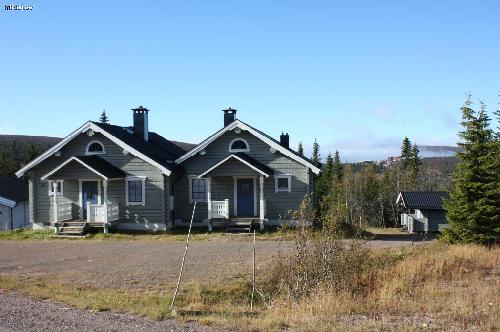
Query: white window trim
[136, 178]
[195, 177]
[91, 153]
[239, 150]
[50, 187]
[286, 176]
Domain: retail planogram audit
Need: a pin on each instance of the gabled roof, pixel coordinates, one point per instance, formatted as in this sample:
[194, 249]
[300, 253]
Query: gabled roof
[422, 199]
[245, 159]
[257, 133]
[13, 190]
[158, 151]
[95, 164]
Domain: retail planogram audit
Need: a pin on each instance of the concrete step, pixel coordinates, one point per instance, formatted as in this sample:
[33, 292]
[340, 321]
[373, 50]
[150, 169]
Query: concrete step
[238, 229]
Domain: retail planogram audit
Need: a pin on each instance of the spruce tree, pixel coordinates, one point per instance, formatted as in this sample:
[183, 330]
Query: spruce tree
[104, 118]
[300, 149]
[324, 181]
[316, 158]
[32, 152]
[415, 163]
[405, 153]
[473, 207]
[337, 168]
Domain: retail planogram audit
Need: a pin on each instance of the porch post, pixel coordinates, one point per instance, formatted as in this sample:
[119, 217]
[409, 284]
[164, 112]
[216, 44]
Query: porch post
[262, 203]
[105, 185]
[209, 202]
[55, 216]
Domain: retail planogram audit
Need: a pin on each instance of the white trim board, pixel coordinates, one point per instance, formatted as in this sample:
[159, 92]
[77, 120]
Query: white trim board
[67, 162]
[8, 202]
[237, 158]
[243, 126]
[89, 125]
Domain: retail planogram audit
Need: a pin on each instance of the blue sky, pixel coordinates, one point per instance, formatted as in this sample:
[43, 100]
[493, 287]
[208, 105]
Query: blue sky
[357, 75]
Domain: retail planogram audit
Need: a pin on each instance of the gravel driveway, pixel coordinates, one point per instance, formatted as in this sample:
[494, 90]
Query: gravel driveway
[141, 265]
[22, 313]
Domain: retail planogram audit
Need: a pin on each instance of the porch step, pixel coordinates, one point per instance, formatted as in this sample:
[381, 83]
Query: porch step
[238, 229]
[72, 228]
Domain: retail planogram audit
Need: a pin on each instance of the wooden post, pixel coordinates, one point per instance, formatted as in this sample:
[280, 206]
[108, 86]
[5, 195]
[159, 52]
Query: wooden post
[105, 184]
[253, 273]
[55, 218]
[262, 203]
[183, 259]
[209, 202]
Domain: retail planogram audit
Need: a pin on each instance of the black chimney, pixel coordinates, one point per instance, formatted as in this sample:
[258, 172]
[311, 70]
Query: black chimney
[229, 116]
[285, 140]
[141, 122]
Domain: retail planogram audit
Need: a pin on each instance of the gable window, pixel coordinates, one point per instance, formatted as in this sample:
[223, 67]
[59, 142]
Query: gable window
[135, 191]
[283, 183]
[94, 147]
[197, 189]
[239, 145]
[59, 190]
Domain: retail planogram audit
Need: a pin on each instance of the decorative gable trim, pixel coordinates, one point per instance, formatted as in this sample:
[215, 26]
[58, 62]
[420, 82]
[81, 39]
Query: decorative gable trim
[243, 126]
[237, 158]
[89, 125]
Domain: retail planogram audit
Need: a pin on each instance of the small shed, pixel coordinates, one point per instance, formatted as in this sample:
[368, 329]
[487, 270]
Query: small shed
[13, 203]
[423, 210]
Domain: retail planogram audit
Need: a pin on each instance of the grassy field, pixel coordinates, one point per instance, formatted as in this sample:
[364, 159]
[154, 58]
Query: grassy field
[438, 287]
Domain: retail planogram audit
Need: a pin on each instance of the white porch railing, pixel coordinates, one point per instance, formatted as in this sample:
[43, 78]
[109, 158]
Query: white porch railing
[62, 211]
[220, 209]
[102, 213]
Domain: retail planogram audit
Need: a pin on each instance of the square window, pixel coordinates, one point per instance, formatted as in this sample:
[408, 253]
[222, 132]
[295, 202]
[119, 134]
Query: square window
[198, 189]
[283, 183]
[135, 191]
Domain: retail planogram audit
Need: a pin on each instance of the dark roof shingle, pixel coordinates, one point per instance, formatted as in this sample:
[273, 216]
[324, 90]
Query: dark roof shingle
[423, 199]
[157, 147]
[13, 189]
[102, 166]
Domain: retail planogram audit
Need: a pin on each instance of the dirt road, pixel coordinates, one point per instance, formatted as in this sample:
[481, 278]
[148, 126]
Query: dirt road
[22, 313]
[141, 265]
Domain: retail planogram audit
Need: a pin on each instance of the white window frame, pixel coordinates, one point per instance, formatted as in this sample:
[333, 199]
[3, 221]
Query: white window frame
[91, 153]
[239, 150]
[51, 193]
[285, 176]
[194, 177]
[136, 178]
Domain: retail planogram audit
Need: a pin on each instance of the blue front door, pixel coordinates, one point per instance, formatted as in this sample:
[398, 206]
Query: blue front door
[90, 193]
[245, 200]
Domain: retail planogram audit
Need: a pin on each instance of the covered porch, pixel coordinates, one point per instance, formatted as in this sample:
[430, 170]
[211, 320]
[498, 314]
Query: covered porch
[235, 192]
[79, 194]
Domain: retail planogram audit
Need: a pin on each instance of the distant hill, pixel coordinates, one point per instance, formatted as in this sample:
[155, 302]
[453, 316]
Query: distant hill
[23, 141]
[431, 151]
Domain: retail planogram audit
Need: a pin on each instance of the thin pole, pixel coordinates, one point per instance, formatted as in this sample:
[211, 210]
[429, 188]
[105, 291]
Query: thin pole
[253, 279]
[183, 259]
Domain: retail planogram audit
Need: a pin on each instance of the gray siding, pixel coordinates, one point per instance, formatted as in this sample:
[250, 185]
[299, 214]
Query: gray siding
[277, 204]
[436, 220]
[153, 212]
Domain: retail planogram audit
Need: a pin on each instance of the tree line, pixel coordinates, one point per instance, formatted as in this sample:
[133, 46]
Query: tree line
[348, 194]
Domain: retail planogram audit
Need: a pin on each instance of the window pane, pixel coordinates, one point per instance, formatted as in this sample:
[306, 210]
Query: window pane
[95, 147]
[283, 183]
[135, 191]
[239, 145]
[198, 189]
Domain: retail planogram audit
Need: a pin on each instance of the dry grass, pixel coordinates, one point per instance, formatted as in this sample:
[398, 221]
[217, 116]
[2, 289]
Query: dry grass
[440, 287]
[169, 236]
